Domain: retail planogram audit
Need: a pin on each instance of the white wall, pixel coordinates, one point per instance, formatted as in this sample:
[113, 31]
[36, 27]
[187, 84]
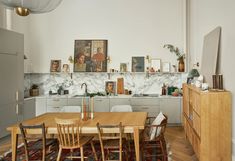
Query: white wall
[132, 28]
[205, 16]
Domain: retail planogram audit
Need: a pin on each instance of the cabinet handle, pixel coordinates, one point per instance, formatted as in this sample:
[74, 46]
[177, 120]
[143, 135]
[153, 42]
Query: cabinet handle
[17, 109]
[145, 108]
[56, 107]
[17, 95]
[98, 100]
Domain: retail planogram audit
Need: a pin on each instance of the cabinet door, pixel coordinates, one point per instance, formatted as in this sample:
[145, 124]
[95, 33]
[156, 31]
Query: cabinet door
[29, 110]
[41, 106]
[119, 101]
[101, 104]
[75, 102]
[153, 111]
[172, 108]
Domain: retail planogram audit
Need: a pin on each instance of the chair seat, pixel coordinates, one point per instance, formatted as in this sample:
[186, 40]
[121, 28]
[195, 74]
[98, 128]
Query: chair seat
[38, 143]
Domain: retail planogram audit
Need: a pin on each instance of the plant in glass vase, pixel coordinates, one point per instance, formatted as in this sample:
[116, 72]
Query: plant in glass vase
[180, 56]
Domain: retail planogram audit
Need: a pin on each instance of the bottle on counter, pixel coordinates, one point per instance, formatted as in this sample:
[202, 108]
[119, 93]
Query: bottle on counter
[164, 89]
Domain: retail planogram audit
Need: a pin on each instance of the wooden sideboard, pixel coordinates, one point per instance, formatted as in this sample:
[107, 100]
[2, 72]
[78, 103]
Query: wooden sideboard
[207, 123]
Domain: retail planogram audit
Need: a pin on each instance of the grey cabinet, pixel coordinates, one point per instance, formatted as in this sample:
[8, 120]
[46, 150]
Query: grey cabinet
[29, 109]
[75, 101]
[41, 105]
[101, 104]
[150, 105]
[119, 101]
[172, 108]
[11, 80]
[56, 104]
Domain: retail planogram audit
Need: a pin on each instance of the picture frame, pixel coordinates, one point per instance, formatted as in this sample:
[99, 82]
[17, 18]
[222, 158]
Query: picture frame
[137, 64]
[65, 68]
[155, 65]
[110, 87]
[55, 66]
[90, 55]
[123, 67]
[166, 67]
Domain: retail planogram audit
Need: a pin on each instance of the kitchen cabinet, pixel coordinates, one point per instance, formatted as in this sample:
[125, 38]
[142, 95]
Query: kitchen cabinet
[11, 82]
[172, 108]
[56, 104]
[101, 104]
[29, 109]
[75, 101]
[119, 101]
[150, 105]
[41, 105]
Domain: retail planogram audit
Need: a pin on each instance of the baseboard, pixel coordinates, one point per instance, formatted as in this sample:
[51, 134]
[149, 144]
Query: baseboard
[233, 149]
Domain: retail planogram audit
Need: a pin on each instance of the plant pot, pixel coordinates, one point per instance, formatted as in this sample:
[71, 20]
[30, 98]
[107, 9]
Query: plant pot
[34, 92]
[181, 65]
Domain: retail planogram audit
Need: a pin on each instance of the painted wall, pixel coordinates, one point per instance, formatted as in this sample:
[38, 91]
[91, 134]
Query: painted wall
[205, 16]
[132, 28]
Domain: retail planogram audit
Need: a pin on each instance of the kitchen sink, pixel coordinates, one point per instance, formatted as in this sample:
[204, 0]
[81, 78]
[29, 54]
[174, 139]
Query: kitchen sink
[145, 95]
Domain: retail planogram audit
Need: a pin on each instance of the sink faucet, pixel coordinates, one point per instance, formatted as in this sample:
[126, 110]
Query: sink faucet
[85, 88]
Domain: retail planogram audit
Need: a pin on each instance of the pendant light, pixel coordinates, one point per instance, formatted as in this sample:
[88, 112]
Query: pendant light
[26, 7]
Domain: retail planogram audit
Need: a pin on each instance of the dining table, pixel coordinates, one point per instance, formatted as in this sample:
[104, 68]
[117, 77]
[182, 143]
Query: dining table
[132, 122]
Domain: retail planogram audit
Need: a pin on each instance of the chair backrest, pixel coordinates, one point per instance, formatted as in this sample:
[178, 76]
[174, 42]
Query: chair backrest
[121, 108]
[110, 132]
[68, 132]
[71, 109]
[27, 134]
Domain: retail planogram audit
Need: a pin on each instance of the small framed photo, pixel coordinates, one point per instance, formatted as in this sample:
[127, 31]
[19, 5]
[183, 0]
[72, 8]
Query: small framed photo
[137, 64]
[155, 65]
[55, 66]
[65, 68]
[166, 67]
[110, 87]
[123, 67]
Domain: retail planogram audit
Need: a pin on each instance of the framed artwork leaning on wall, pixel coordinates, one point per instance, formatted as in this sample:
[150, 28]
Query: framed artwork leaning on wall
[90, 55]
[137, 64]
[55, 66]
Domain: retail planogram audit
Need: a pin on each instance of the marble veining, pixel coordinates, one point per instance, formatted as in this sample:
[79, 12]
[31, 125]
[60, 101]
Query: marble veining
[137, 82]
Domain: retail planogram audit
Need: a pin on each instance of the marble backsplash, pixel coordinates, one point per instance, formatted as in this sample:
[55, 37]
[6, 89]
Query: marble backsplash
[136, 82]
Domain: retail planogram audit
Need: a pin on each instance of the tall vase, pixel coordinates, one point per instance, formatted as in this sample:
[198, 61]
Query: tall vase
[181, 65]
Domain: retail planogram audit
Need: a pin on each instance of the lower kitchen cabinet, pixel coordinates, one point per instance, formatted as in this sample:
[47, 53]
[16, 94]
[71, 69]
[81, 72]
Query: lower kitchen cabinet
[172, 108]
[29, 108]
[41, 105]
[101, 104]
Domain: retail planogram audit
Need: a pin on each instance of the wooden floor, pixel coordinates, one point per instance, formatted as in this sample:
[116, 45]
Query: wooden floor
[179, 148]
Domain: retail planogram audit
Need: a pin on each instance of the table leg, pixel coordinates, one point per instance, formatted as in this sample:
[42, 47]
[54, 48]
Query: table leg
[137, 145]
[14, 142]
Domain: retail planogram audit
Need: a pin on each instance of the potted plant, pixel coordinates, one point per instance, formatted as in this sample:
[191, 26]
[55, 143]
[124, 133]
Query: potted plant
[34, 90]
[180, 56]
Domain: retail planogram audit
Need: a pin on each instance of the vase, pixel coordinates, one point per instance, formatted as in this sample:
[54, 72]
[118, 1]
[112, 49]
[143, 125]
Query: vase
[181, 65]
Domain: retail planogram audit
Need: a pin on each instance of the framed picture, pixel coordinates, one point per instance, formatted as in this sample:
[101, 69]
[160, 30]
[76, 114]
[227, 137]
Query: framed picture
[155, 65]
[165, 67]
[110, 87]
[123, 67]
[55, 66]
[65, 68]
[90, 56]
[137, 64]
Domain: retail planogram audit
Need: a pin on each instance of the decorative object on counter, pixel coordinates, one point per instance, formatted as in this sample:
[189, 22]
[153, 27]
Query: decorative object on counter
[130, 92]
[65, 68]
[123, 67]
[55, 66]
[217, 81]
[193, 73]
[120, 85]
[90, 56]
[205, 86]
[25, 7]
[138, 64]
[92, 108]
[70, 59]
[60, 91]
[165, 67]
[164, 89]
[180, 56]
[34, 90]
[110, 87]
[171, 89]
[155, 65]
[66, 91]
[174, 68]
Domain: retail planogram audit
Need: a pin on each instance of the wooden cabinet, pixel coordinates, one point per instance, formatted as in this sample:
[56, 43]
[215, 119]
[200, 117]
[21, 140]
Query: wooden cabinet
[207, 123]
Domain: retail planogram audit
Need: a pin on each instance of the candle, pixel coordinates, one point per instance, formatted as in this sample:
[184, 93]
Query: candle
[82, 109]
[92, 107]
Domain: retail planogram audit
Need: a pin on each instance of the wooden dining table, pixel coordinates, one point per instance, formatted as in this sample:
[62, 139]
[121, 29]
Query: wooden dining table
[133, 122]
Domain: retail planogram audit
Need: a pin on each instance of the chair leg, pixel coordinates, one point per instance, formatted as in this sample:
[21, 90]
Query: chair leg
[81, 151]
[93, 149]
[59, 154]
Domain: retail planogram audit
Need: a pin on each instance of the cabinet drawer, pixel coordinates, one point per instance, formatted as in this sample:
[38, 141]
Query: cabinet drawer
[196, 123]
[119, 101]
[57, 102]
[145, 101]
[54, 108]
[74, 101]
[153, 111]
[196, 103]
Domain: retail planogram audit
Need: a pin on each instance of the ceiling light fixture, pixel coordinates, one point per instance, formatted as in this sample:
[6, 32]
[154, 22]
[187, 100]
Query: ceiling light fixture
[25, 7]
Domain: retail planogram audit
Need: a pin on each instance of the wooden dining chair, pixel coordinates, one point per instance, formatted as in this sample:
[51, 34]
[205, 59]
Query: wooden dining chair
[37, 142]
[69, 136]
[112, 141]
[154, 146]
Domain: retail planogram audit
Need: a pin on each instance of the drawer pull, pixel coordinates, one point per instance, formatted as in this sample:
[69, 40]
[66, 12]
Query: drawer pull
[56, 107]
